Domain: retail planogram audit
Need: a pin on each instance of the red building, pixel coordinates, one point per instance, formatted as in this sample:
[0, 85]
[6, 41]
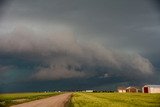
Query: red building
[151, 89]
[132, 90]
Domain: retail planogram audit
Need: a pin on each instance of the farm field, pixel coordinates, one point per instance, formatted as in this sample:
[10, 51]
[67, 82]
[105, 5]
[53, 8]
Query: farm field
[7, 100]
[115, 100]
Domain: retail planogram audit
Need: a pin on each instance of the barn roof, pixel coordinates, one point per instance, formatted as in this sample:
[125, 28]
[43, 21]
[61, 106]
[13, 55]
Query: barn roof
[152, 86]
[131, 87]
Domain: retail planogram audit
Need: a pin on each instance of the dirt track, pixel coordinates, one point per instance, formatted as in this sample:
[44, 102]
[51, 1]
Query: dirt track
[55, 101]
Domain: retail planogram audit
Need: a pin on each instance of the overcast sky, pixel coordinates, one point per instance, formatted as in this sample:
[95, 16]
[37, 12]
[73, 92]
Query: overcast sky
[78, 44]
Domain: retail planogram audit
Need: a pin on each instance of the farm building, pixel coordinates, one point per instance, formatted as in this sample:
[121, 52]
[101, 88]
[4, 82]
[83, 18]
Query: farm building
[132, 89]
[151, 89]
[121, 89]
[89, 91]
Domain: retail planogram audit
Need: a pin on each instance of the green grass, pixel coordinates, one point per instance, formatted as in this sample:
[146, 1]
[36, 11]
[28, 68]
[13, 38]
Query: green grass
[115, 100]
[7, 100]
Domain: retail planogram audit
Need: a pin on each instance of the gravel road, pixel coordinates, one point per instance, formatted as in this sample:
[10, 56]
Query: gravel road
[55, 101]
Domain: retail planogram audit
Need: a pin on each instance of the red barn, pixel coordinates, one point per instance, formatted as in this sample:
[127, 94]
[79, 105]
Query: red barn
[151, 89]
[132, 89]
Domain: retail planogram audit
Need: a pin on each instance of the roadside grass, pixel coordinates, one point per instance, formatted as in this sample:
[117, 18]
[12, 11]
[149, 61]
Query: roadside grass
[9, 99]
[115, 100]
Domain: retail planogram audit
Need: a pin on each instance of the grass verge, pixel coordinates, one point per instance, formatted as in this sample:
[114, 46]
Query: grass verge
[7, 100]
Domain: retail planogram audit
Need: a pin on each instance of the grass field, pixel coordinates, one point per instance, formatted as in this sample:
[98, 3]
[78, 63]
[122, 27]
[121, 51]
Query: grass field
[7, 100]
[115, 100]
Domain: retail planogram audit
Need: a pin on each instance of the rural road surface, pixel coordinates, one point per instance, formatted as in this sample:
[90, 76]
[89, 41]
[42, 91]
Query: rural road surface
[55, 101]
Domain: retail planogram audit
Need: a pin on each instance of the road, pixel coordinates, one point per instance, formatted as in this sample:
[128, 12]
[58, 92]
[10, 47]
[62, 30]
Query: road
[55, 101]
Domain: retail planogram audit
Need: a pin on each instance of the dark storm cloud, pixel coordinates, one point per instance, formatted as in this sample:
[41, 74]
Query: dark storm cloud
[67, 57]
[62, 39]
[118, 24]
[157, 3]
[3, 3]
[4, 69]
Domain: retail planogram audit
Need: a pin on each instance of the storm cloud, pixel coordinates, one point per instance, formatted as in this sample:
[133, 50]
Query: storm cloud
[66, 57]
[88, 43]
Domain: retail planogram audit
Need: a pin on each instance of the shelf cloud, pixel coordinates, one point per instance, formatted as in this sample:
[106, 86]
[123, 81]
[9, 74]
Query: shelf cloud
[86, 43]
[67, 57]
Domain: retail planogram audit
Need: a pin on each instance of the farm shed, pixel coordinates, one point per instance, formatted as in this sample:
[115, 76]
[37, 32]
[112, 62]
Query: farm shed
[121, 89]
[132, 89]
[89, 91]
[151, 89]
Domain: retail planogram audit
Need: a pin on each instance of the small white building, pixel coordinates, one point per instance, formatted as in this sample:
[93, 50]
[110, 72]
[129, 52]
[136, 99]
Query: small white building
[151, 89]
[89, 91]
[121, 89]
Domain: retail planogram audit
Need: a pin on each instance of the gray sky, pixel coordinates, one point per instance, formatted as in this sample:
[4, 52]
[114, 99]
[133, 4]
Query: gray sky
[102, 41]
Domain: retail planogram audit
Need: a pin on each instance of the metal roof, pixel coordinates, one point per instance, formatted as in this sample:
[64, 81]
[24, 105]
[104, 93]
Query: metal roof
[152, 86]
[131, 87]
